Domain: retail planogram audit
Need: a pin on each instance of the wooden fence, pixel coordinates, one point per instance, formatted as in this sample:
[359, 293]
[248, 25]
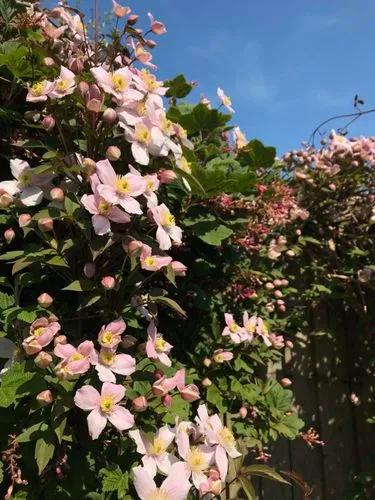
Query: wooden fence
[326, 370]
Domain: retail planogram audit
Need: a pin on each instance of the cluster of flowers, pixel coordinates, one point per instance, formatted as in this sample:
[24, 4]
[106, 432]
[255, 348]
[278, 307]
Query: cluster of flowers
[201, 451]
[253, 327]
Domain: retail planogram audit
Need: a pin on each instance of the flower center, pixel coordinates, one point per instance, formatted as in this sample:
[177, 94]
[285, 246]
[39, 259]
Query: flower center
[77, 356]
[122, 185]
[150, 81]
[107, 337]
[25, 178]
[150, 261]
[107, 357]
[250, 327]
[196, 460]
[158, 447]
[219, 358]
[106, 404]
[104, 207]
[157, 494]
[226, 438]
[150, 185]
[226, 101]
[169, 220]
[38, 331]
[160, 344]
[142, 134]
[141, 108]
[167, 126]
[37, 89]
[62, 85]
[234, 327]
[119, 83]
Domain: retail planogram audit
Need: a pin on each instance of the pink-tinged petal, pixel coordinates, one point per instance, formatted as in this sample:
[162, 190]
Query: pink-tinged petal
[150, 350]
[121, 418]
[143, 483]
[131, 205]
[228, 319]
[221, 460]
[165, 434]
[149, 464]
[87, 398]
[45, 339]
[198, 478]
[17, 166]
[106, 172]
[100, 224]
[86, 348]
[64, 351]
[79, 367]
[176, 234]
[137, 183]
[31, 196]
[105, 374]
[54, 327]
[124, 364]
[117, 327]
[117, 215]
[146, 252]
[164, 359]
[162, 261]
[140, 153]
[165, 461]
[179, 378]
[96, 423]
[103, 78]
[177, 485]
[182, 438]
[140, 440]
[108, 193]
[163, 238]
[88, 201]
[10, 187]
[115, 390]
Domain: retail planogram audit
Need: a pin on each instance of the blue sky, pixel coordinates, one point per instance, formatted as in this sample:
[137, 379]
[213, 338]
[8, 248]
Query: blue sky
[287, 64]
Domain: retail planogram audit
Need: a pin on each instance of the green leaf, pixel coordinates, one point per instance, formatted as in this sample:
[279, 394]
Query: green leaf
[215, 397]
[44, 450]
[6, 300]
[115, 480]
[248, 488]
[32, 433]
[170, 303]
[71, 205]
[263, 471]
[81, 285]
[212, 233]
[12, 382]
[256, 155]
[178, 87]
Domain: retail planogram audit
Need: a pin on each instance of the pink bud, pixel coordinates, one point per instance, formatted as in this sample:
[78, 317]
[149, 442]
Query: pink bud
[156, 26]
[108, 282]
[89, 270]
[290, 253]
[83, 88]
[166, 176]
[9, 235]
[113, 153]
[43, 359]
[298, 232]
[167, 401]
[189, 393]
[269, 286]
[57, 194]
[132, 19]
[76, 64]
[44, 398]
[285, 382]
[206, 382]
[243, 412]
[119, 10]
[5, 200]
[60, 339]
[289, 344]
[332, 187]
[178, 268]
[355, 399]
[278, 294]
[158, 374]
[207, 362]
[24, 220]
[151, 44]
[139, 404]
[282, 308]
[48, 61]
[48, 122]
[284, 282]
[45, 300]
[45, 224]
[133, 248]
[277, 282]
[110, 116]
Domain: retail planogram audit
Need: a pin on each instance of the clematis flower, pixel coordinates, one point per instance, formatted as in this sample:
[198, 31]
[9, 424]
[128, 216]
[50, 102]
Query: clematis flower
[167, 229]
[104, 407]
[117, 83]
[175, 487]
[108, 362]
[119, 10]
[225, 100]
[8, 351]
[42, 332]
[151, 262]
[39, 91]
[73, 21]
[179, 268]
[102, 211]
[233, 330]
[154, 450]
[249, 324]
[152, 185]
[220, 356]
[26, 183]
[120, 190]
[239, 138]
[64, 85]
[219, 435]
[156, 347]
[142, 55]
[156, 26]
[110, 335]
[197, 460]
[155, 90]
[144, 139]
[74, 360]
[262, 331]
[162, 386]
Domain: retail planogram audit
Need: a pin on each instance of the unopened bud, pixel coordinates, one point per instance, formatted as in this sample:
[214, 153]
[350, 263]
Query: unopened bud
[269, 286]
[206, 382]
[179, 268]
[5, 200]
[133, 248]
[45, 224]
[207, 362]
[9, 235]
[24, 220]
[166, 176]
[289, 344]
[167, 401]
[109, 116]
[48, 122]
[243, 412]
[48, 61]
[151, 44]
[108, 282]
[43, 359]
[57, 194]
[44, 398]
[355, 399]
[128, 341]
[45, 300]
[285, 382]
[132, 19]
[278, 294]
[189, 393]
[139, 404]
[89, 166]
[83, 88]
[89, 270]
[158, 374]
[113, 153]
[60, 339]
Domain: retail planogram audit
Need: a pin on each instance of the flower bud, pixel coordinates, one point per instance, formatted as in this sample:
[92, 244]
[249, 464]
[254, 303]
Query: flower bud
[57, 194]
[60, 339]
[133, 248]
[270, 307]
[45, 300]
[243, 412]
[48, 61]
[128, 341]
[113, 153]
[289, 344]
[332, 187]
[108, 282]
[207, 362]
[48, 122]
[139, 404]
[45, 225]
[158, 374]
[5, 200]
[83, 88]
[290, 253]
[76, 64]
[151, 44]
[278, 294]
[269, 286]
[285, 382]
[355, 399]
[166, 176]
[277, 283]
[89, 270]
[89, 166]
[167, 401]
[109, 116]
[284, 282]
[132, 19]
[24, 220]
[282, 307]
[206, 382]
[298, 232]
[9, 235]
[43, 359]
[44, 398]
[119, 10]
[189, 393]
[179, 268]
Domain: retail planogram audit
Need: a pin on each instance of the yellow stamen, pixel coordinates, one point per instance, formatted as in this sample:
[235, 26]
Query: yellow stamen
[107, 357]
[150, 261]
[226, 438]
[104, 207]
[62, 85]
[37, 89]
[196, 460]
[142, 134]
[160, 344]
[122, 185]
[38, 332]
[106, 404]
[107, 337]
[76, 356]
[158, 447]
[119, 83]
[234, 328]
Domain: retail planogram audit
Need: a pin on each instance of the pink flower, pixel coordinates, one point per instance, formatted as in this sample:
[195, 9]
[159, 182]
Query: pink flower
[104, 407]
[179, 268]
[107, 363]
[145, 139]
[42, 331]
[156, 347]
[156, 26]
[39, 91]
[64, 85]
[233, 330]
[152, 185]
[117, 83]
[197, 461]
[167, 229]
[154, 450]
[262, 331]
[175, 487]
[225, 100]
[120, 190]
[220, 356]
[239, 138]
[249, 325]
[277, 341]
[103, 212]
[110, 335]
[120, 11]
[142, 55]
[151, 262]
[162, 386]
[74, 361]
[189, 392]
